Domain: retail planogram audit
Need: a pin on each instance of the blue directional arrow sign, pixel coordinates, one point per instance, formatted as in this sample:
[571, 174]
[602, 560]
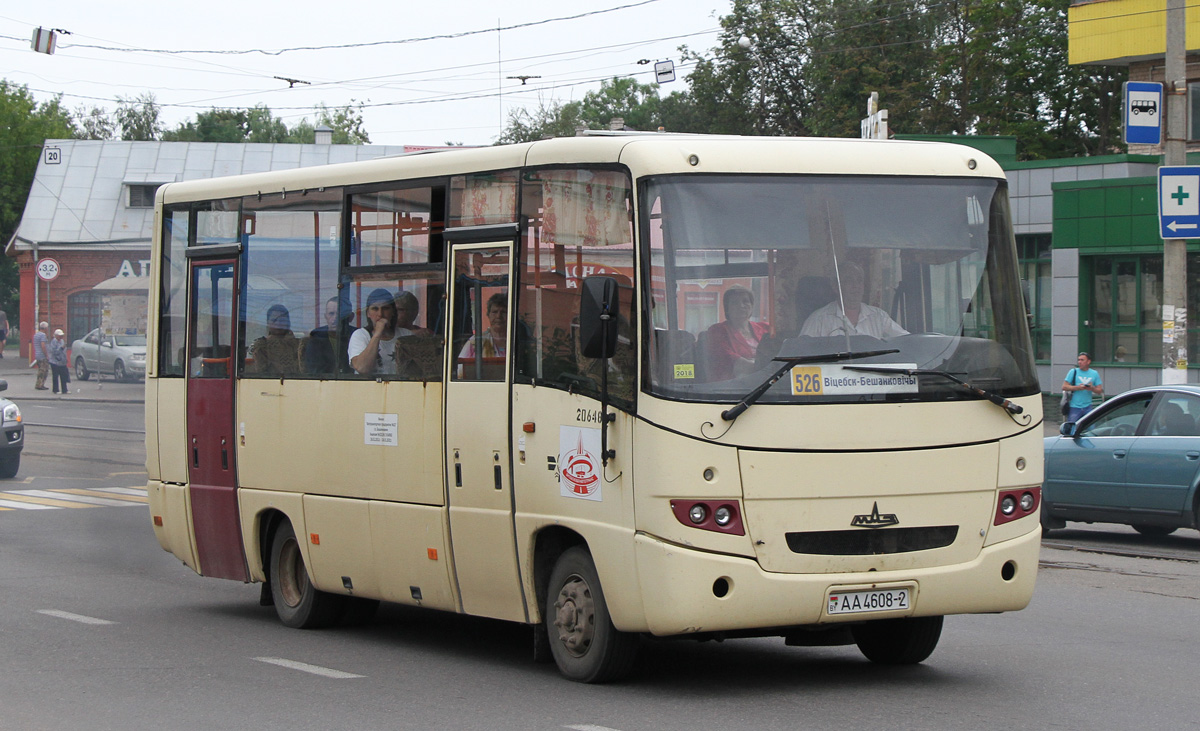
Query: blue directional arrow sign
[1143, 112]
[1179, 202]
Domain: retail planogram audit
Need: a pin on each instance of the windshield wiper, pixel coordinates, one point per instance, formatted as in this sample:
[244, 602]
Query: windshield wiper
[1000, 401]
[736, 410]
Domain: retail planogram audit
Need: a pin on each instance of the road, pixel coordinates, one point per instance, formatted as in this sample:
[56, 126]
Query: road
[103, 630]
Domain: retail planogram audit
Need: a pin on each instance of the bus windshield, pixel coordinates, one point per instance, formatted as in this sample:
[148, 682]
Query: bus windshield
[746, 270]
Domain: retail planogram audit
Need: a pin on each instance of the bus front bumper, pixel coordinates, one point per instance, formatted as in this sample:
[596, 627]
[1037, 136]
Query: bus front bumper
[686, 591]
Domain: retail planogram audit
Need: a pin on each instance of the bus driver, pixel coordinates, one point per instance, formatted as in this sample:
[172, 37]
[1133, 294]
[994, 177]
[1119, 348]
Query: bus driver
[857, 317]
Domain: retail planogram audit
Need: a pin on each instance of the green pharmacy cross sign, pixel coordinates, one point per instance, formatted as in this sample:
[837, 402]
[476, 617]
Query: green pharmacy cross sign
[1179, 202]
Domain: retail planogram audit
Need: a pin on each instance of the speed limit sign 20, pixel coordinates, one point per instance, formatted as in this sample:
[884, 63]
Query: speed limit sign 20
[47, 270]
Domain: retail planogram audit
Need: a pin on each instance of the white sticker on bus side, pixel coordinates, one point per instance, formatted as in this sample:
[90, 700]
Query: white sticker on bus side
[381, 429]
[579, 466]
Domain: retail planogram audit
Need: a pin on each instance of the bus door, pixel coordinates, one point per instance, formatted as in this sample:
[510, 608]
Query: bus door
[212, 474]
[477, 424]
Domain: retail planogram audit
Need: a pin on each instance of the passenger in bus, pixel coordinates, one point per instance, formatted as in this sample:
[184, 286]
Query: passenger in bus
[372, 349]
[320, 353]
[278, 352]
[492, 342]
[858, 318]
[407, 309]
[730, 346]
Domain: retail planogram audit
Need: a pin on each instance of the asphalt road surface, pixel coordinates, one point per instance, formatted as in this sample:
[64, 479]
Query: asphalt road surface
[101, 629]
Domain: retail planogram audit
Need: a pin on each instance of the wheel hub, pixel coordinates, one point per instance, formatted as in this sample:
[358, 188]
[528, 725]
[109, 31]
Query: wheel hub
[575, 616]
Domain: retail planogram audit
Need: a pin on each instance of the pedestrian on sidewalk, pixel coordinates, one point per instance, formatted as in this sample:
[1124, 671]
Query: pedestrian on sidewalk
[41, 355]
[3, 332]
[1082, 383]
[58, 364]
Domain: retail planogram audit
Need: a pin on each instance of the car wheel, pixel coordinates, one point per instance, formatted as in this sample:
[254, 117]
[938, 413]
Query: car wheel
[1154, 531]
[9, 466]
[904, 641]
[298, 603]
[81, 371]
[119, 371]
[586, 646]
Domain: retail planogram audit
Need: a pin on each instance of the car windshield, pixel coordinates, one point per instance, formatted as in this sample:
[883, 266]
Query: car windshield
[745, 269]
[130, 341]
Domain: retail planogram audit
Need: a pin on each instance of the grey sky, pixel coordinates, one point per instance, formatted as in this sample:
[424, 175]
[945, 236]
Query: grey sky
[421, 92]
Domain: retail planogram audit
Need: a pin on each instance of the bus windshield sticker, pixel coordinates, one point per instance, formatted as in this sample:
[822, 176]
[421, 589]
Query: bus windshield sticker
[835, 380]
[579, 462]
[381, 429]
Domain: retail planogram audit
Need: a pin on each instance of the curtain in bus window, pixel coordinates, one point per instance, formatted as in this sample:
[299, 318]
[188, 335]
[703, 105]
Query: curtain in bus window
[579, 225]
[292, 245]
[217, 222]
[483, 199]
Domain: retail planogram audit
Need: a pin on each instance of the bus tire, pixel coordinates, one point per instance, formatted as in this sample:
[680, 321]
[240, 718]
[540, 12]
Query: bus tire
[586, 646]
[905, 641]
[297, 602]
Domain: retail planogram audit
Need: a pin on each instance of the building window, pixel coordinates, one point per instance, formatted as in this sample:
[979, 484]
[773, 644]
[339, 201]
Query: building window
[1125, 324]
[1034, 253]
[142, 196]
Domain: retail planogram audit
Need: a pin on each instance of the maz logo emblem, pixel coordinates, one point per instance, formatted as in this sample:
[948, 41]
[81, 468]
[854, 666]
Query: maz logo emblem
[875, 520]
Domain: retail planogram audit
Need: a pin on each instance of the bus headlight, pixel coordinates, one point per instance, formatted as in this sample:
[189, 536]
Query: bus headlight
[697, 513]
[723, 515]
[720, 516]
[1008, 505]
[1027, 501]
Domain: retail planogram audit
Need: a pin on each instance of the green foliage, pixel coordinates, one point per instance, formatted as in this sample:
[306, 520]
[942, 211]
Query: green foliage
[988, 67]
[137, 118]
[25, 126]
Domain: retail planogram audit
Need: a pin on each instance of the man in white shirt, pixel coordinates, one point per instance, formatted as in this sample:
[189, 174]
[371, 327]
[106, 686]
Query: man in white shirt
[858, 318]
[372, 349]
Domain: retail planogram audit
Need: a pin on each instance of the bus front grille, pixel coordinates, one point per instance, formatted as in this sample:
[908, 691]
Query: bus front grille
[860, 542]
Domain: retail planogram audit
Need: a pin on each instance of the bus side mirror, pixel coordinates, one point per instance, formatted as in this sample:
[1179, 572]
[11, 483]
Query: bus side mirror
[598, 317]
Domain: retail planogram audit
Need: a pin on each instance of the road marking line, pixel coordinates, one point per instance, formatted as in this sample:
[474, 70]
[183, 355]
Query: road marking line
[85, 498]
[92, 493]
[73, 617]
[588, 727]
[139, 492]
[43, 502]
[306, 668]
[14, 505]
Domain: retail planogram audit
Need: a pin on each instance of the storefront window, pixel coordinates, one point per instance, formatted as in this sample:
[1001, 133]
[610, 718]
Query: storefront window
[1034, 253]
[1124, 325]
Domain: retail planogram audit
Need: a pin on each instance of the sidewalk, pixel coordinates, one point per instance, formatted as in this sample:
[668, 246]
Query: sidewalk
[21, 378]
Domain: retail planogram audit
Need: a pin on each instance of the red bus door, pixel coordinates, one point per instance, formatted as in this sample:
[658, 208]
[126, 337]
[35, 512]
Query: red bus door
[211, 371]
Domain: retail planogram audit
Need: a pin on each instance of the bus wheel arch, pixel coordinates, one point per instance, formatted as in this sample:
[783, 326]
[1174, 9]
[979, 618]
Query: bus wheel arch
[583, 641]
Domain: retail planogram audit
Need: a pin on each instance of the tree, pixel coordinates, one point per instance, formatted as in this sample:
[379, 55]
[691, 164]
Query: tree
[637, 104]
[26, 126]
[93, 124]
[137, 118]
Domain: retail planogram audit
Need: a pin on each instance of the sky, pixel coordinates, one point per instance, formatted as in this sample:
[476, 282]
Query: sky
[427, 73]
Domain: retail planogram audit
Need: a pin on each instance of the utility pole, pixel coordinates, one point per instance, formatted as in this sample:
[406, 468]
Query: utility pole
[1174, 312]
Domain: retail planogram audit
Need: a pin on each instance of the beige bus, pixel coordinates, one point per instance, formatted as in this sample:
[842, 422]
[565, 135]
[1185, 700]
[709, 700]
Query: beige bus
[611, 387]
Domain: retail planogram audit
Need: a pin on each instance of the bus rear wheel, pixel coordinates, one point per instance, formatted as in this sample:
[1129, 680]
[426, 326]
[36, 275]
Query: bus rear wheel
[906, 641]
[586, 646]
[298, 603]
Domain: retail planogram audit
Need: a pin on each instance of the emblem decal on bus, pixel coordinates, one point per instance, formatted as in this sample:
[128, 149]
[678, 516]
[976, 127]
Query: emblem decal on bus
[579, 462]
[875, 520]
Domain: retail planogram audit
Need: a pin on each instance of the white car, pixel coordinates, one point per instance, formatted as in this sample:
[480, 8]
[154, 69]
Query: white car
[124, 356]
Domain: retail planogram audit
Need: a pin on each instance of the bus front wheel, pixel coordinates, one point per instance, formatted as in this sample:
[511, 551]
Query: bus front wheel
[297, 602]
[586, 646]
[906, 641]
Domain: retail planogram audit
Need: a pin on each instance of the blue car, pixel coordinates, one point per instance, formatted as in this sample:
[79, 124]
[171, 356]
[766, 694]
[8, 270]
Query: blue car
[1135, 460]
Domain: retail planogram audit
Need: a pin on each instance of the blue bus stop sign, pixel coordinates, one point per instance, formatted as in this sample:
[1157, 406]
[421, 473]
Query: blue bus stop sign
[1179, 202]
[1143, 112]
